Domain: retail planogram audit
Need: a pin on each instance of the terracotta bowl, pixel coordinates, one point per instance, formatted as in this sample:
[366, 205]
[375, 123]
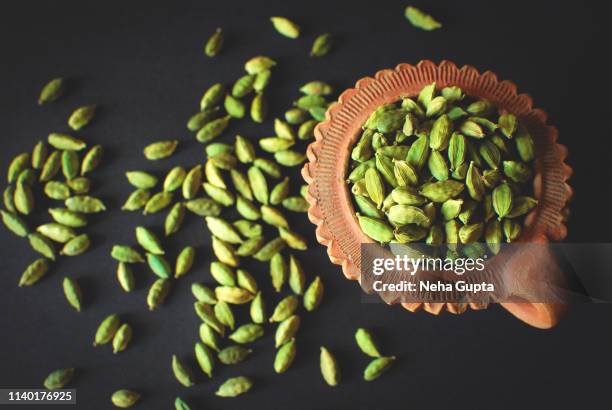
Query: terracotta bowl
[331, 208]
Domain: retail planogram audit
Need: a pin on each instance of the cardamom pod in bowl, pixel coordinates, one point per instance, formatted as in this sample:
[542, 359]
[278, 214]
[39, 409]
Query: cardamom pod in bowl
[338, 145]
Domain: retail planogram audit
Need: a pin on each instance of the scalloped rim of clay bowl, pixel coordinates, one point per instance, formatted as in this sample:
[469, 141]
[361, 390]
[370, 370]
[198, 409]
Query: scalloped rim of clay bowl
[331, 208]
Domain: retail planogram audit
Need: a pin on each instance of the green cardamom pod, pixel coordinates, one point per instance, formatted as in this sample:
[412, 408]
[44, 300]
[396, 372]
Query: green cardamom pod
[213, 129]
[225, 252]
[220, 195]
[184, 261]
[278, 271]
[180, 404]
[106, 330]
[65, 142]
[375, 228]
[148, 240]
[400, 215]
[285, 308]
[136, 200]
[234, 386]
[126, 254]
[233, 295]
[199, 119]
[286, 27]
[377, 367]
[174, 219]
[421, 20]
[42, 245]
[206, 313]
[321, 45]
[158, 292]
[329, 367]
[474, 182]
[437, 166]
[17, 165]
[209, 337]
[502, 198]
[224, 313]
[289, 158]
[181, 372]
[122, 338]
[58, 379]
[174, 179]
[269, 167]
[57, 232]
[246, 281]
[81, 117]
[34, 272]
[258, 64]
[241, 183]
[247, 333]
[493, 235]
[286, 330]
[14, 223]
[73, 293]
[51, 91]
[471, 129]
[245, 152]
[223, 230]
[234, 107]
[9, 199]
[525, 144]
[366, 343]
[125, 277]
[441, 191]
[203, 294]
[490, 153]
[521, 206]
[214, 44]
[85, 204]
[259, 185]
[23, 198]
[233, 354]
[160, 149]
[313, 294]
[212, 96]
[259, 108]
[76, 246]
[269, 250]
[512, 230]
[297, 278]
[296, 204]
[293, 239]
[262, 79]
[70, 164]
[508, 124]
[125, 398]
[257, 309]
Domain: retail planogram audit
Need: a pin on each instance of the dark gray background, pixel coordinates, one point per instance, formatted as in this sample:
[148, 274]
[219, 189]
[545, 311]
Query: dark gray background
[143, 63]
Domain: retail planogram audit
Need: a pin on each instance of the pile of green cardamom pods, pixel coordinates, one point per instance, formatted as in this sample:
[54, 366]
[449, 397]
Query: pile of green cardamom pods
[444, 170]
[260, 192]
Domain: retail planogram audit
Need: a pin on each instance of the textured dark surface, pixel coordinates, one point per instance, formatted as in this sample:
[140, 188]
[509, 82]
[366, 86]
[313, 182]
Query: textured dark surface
[144, 65]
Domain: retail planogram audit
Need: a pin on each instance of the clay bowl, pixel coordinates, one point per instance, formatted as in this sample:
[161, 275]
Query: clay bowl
[331, 208]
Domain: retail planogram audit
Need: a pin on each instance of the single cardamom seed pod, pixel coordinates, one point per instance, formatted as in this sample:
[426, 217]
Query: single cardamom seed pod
[214, 44]
[258, 64]
[493, 235]
[246, 281]
[490, 153]
[313, 294]
[366, 343]
[106, 330]
[42, 245]
[233, 354]
[296, 204]
[15, 224]
[205, 359]
[259, 185]
[58, 379]
[136, 200]
[234, 107]
[377, 367]
[65, 142]
[521, 206]
[212, 96]
[437, 166]
[158, 292]
[201, 118]
[160, 149]
[421, 20]
[180, 404]
[57, 232]
[125, 398]
[149, 241]
[206, 313]
[375, 186]
[262, 79]
[286, 27]
[76, 246]
[400, 215]
[474, 182]
[525, 144]
[376, 229]
[257, 310]
[122, 338]
[245, 152]
[126, 254]
[213, 129]
[125, 277]
[502, 198]
[174, 179]
[297, 278]
[17, 165]
[241, 183]
[53, 90]
[471, 129]
[203, 294]
[278, 271]
[286, 330]
[512, 230]
[174, 219]
[269, 167]
[247, 333]
[184, 261]
[209, 336]
[508, 124]
[81, 117]
[269, 250]
[233, 295]
[224, 314]
[285, 356]
[51, 167]
[321, 45]
[234, 386]
[34, 272]
[329, 367]
[259, 108]
[181, 372]
[225, 252]
[85, 204]
[23, 198]
[223, 230]
[73, 293]
[285, 308]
